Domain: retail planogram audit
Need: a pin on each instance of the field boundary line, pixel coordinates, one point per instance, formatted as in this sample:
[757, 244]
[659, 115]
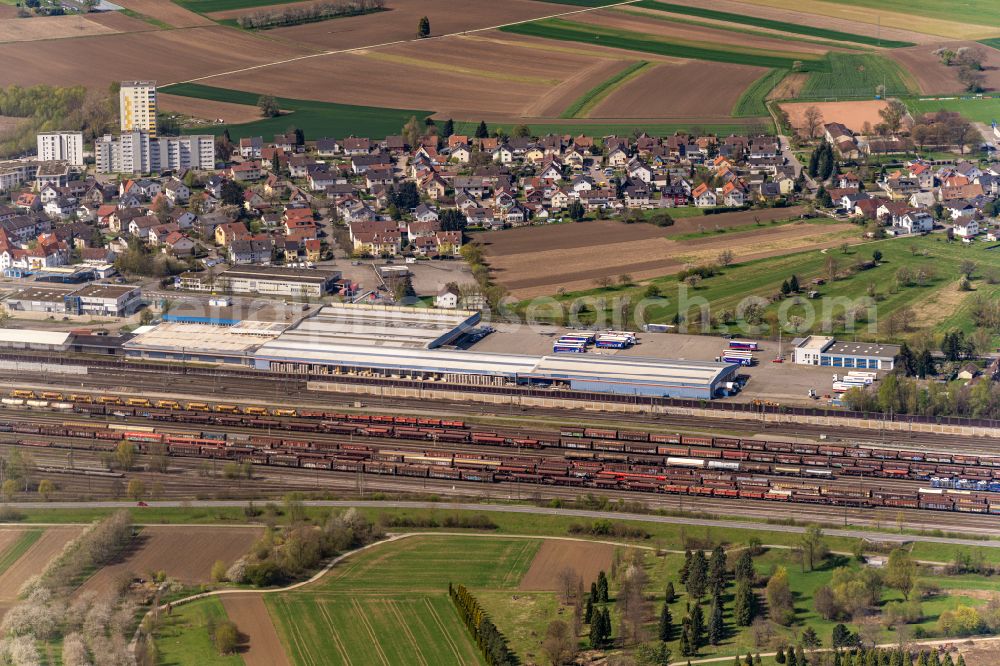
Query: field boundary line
[368, 628]
[444, 630]
[394, 610]
[334, 633]
[321, 54]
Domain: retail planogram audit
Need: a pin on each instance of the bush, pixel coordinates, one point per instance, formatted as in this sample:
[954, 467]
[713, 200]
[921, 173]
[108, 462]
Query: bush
[226, 637]
[609, 528]
[264, 574]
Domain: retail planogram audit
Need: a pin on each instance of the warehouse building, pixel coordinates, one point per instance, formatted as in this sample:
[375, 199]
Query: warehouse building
[826, 351]
[201, 343]
[263, 280]
[385, 326]
[33, 339]
[103, 300]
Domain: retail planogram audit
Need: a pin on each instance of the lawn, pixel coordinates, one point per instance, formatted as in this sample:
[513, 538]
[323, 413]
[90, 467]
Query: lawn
[316, 119]
[589, 99]
[182, 638]
[771, 24]
[752, 101]
[857, 75]
[14, 552]
[564, 30]
[979, 109]
[394, 598]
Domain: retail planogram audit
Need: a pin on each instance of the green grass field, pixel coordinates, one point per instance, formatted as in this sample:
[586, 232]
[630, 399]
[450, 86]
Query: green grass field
[979, 109]
[316, 119]
[752, 101]
[993, 42]
[390, 603]
[783, 26]
[564, 30]
[183, 640]
[592, 97]
[857, 75]
[14, 552]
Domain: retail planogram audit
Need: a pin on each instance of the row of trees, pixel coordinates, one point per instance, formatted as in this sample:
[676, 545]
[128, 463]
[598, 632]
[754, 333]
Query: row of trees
[491, 642]
[47, 108]
[897, 394]
[298, 15]
[822, 163]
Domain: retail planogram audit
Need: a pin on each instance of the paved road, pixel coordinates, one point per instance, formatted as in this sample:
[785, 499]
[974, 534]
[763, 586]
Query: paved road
[544, 511]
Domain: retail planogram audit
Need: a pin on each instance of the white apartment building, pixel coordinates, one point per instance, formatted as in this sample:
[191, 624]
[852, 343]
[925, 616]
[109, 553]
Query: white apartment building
[138, 153]
[61, 147]
[137, 106]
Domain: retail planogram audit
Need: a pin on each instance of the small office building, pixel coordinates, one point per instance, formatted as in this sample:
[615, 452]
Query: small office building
[828, 352]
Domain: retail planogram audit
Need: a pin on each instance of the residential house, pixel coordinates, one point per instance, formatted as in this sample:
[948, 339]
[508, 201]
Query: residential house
[704, 196]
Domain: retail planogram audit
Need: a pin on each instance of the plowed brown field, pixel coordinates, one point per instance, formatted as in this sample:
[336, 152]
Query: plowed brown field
[164, 55]
[536, 261]
[50, 27]
[400, 21]
[935, 77]
[678, 91]
[166, 11]
[587, 559]
[610, 18]
[208, 109]
[186, 553]
[34, 560]
[251, 617]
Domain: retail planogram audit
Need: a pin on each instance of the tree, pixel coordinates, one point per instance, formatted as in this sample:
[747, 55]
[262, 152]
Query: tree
[744, 566]
[670, 596]
[412, 131]
[665, 628]
[825, 602]
[136, 489]
[452, 219]
[656, 654]
[424, 28]
[697, 577]
[482, 131]
[448, 129]
[813, 546]
[813, 120]
[793, 284]
[125, 455]
[697, 635]
[226, 637]
[744, 603]
[521, 131]
[600, 628]
[232, 193]
[576, 211]
[810, 639]
[779, 598]
[725, 258]
[842, 637]
[716, 626]
[877, 256]
[779, 656]
[892, 115]
[559, 644]
[45, 488]
[268, 106]
[901, 572]
[602, 587]
[9, 488]
[717, 570]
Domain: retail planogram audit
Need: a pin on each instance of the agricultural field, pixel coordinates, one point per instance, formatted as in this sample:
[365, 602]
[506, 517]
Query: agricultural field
[25, 553]
[770, 24]
[856, 75]
[182, 638]
[316, 119]
[536, 261]
[172, 14]
[582, 106]
[398, 592]
[936, 78]
[186, 555]
[935, 306]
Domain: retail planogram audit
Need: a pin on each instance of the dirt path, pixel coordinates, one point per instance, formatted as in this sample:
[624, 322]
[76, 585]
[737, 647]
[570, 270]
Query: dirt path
[250, 615]
[34, 560]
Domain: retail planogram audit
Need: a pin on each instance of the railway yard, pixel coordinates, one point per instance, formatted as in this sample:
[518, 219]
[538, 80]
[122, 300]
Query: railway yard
[402, 448]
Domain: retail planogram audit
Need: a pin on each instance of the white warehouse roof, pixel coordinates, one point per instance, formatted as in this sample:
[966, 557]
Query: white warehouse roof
[631, 369]
[290, 349]
[384, 326]
[30, 336]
